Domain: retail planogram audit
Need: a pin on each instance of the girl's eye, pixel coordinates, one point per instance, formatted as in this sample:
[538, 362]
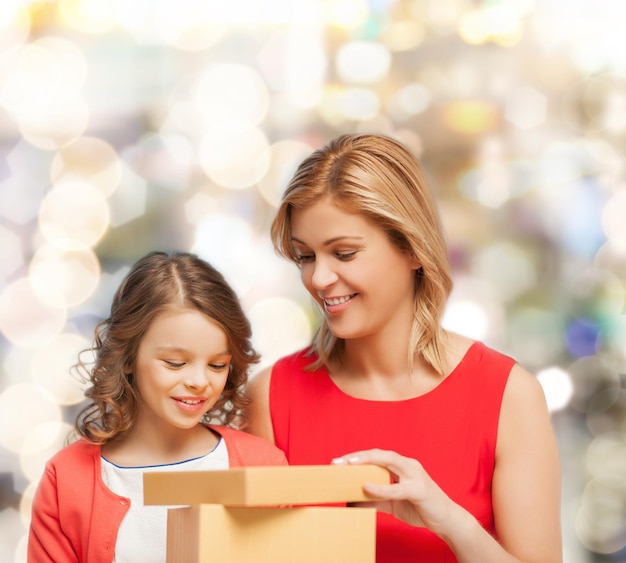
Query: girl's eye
[174, 364]
[218, 367]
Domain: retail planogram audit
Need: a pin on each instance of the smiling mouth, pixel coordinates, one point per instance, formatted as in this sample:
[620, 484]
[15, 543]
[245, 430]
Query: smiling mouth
[338, 300]
[190, 402]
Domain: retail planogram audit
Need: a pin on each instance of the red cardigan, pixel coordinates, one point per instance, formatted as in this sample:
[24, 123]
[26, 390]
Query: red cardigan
[75, 516]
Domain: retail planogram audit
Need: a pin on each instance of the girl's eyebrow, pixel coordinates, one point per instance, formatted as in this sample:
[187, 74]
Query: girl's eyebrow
[330, 240]
[173, 348]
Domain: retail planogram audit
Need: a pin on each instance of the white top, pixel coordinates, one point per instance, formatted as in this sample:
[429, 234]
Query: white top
[143, 532]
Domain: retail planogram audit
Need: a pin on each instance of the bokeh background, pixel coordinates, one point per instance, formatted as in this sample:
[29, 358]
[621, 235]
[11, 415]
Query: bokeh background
[133, 125]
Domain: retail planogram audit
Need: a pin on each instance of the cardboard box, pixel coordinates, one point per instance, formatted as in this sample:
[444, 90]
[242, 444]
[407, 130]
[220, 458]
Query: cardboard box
[263, 486]
[210, 532]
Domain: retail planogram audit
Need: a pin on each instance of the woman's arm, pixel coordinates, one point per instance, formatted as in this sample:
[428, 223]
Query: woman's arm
[526, 487]
[257, 418]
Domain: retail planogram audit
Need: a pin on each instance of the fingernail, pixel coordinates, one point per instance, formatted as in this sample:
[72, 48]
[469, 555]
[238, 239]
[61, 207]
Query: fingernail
[338, 461]
[354, 459]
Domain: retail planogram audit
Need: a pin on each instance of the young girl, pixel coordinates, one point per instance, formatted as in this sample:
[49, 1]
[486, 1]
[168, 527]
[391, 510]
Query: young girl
[172, 356]
[464, 429]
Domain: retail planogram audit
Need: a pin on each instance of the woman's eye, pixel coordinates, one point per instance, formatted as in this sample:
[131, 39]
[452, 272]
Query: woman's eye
[174, 364]
[346, 255]
[304, 258]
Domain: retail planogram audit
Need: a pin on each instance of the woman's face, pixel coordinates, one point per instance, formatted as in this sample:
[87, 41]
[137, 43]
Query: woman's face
[181, 369]
[363, 282]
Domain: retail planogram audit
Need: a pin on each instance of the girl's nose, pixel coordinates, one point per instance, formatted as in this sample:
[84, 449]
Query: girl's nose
[197, 377]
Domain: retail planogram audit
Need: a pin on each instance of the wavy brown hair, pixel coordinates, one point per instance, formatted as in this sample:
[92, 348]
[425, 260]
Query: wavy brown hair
[379, 178]
[156, 282]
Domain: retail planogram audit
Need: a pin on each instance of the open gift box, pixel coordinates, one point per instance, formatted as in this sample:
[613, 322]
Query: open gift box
[267, 514]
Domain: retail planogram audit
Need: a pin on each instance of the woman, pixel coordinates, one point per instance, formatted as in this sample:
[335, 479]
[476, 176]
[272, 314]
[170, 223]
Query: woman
[464, 429]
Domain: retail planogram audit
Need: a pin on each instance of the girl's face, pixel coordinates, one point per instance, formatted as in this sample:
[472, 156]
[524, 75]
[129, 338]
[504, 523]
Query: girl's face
[361, 280]
[181, 369]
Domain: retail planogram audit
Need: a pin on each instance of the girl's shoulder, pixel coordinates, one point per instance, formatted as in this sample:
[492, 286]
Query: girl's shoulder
[75, 457]
[247, 449]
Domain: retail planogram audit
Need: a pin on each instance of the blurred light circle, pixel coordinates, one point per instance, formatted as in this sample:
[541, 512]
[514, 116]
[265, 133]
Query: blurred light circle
[15, 25]
[88, 159]
[595, 293]
[409, 100]
[226, 241]
[226, 93]
[187, 25]
[279, 326]
[40, 444]
[600, 522]
[129, 201]
[347, 14]
[329, 107]
[611, 347]
[12, 253]
[200, 206]
[59, 123]
[13, 533]
[23, 407]
[358, 104]
[285, 156]
[605, 411]
[470, 116]
[557, 386]
[603, 103]
[163, 160]
[611, 257]
[507, 267]
[612, 219]
[403, 35]
[590, 376]
[88, 16]
[363, 62]
[536, 335]
[236, 156]
[526, 108]
[52, 368]
[467, 318]
[26, 509]
[294, 64]
[473, 28]
[74, 215]
[581, 337]
[64, 278]
[50, 64]
[24, 319]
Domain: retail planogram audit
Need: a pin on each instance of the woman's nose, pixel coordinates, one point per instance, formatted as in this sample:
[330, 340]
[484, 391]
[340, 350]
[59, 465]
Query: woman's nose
[323, 275]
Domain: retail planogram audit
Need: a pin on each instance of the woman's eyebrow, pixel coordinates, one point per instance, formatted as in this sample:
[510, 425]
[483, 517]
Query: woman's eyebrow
[330, 240]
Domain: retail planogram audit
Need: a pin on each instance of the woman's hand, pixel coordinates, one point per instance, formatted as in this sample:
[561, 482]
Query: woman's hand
[412, 496]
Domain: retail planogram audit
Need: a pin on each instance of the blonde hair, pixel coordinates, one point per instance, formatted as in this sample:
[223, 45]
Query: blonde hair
[380, 179]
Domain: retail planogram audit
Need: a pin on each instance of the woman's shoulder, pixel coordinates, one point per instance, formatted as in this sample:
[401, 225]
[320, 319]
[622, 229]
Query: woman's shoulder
[300, 359]
[463, 349]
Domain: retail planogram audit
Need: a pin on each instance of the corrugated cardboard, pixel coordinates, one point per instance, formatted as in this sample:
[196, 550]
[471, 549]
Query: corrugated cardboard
[209, 533]
[263, 486]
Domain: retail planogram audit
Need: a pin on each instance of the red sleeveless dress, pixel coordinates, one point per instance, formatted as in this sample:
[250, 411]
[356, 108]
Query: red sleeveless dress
[451, 430]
